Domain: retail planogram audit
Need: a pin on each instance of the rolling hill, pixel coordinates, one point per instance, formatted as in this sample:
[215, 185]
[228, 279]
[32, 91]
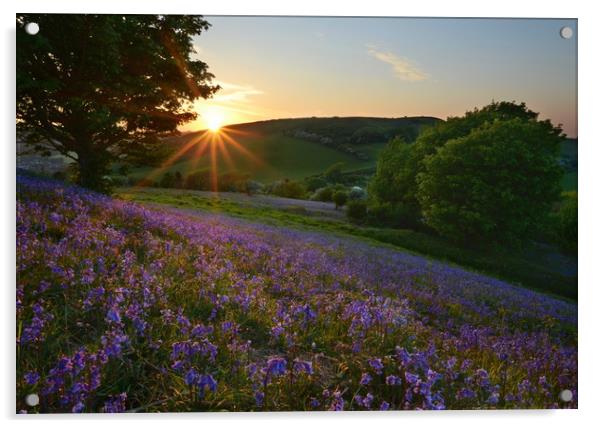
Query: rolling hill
[289, 148]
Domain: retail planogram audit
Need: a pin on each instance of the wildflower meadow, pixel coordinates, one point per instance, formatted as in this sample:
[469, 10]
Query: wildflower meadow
[126, 308]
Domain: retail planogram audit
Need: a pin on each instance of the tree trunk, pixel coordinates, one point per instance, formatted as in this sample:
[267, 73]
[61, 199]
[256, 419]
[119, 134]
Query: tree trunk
[92, 169]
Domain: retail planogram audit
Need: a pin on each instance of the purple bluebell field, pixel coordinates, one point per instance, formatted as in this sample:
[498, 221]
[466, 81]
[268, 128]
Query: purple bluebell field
[126, 308]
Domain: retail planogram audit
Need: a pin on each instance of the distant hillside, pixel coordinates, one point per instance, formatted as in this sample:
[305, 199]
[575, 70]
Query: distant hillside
[292, 148]
[346, 134]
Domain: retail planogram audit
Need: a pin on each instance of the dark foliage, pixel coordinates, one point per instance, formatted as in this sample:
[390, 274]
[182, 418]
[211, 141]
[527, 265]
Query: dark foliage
[340, 198]
[490, 175]
[357, 210]
[102, 88]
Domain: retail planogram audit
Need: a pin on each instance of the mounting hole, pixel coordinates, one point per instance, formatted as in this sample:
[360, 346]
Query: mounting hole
[566, 395]
[32, 28]
[566, 32]
[32, 400]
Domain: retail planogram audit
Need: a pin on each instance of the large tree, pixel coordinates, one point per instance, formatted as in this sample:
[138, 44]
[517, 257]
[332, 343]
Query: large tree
[104, 88]
[496, 184]
[395, 182]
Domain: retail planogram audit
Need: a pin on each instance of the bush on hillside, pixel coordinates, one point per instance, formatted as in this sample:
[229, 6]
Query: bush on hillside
[288, 189]
[357, 210]
[312, 184]
[323, 194]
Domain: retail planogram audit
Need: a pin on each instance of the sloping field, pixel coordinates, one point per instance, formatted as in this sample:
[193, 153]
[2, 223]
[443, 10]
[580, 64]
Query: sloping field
[120, 307]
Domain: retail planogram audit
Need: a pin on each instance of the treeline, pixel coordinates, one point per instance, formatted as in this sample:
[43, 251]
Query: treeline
[345, 134]
[490, 177]
[203, 180]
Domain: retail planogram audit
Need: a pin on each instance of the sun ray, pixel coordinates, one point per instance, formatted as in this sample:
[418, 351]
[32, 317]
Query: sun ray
[239, 132]
[213, 172]
[224, 151]
[200, 151]
[171, 160]
[215, 147]
[242, 149]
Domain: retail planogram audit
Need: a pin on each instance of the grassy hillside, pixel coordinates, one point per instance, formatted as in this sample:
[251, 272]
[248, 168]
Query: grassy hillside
[123, 308]
[538, 268]
[291, 148]
[273, 157]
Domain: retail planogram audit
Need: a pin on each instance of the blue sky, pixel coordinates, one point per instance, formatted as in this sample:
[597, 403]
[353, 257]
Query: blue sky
[272, 67]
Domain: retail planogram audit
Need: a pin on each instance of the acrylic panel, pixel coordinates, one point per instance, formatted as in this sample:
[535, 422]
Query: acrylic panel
[252, 213]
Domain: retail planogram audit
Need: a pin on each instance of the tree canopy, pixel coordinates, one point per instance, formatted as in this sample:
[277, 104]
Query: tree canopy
[497, 183]
[491, 174]
[104, 88]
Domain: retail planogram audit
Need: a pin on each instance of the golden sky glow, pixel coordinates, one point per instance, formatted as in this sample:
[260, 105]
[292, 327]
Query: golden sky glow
[277, 67]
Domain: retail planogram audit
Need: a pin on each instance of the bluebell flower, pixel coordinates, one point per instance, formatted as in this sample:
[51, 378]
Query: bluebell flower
[78, 408]
[411, 378]
[31, 377]
[376, 364]
[338, 403]
[259, 396]
[393, 380]
[191, 377]
[114, 315]
[494, 398]
[303, 367]
[367, 402]
[206, 381]
[366, 379]
[276, 366]
[115, 404]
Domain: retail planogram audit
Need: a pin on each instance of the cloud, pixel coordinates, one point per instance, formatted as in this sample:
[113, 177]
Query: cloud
[234, 93]
[403, 68]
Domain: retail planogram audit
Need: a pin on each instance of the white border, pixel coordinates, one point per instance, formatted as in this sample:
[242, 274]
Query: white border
[590, 156]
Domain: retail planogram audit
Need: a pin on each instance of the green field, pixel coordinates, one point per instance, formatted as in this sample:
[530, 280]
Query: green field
[272, 150]
[274, 157]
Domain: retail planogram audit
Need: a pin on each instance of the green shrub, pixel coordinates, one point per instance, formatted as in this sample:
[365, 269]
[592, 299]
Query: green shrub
[314, 183]
[168, 180]
[198, 180]
[232, 182]
[334, 173]
[254, 187]
[397, 215]
[357, 210]
[323, 195]
[288, 189]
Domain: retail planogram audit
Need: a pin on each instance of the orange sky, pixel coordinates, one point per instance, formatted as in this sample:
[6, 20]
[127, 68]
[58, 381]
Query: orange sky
[275, 67]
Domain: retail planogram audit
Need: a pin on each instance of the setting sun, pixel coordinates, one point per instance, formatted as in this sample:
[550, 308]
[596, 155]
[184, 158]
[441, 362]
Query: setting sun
[214, 120]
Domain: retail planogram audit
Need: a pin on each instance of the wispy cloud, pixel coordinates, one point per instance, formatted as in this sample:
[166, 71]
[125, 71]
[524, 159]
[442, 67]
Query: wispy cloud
[234, 93]
[403, 68]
